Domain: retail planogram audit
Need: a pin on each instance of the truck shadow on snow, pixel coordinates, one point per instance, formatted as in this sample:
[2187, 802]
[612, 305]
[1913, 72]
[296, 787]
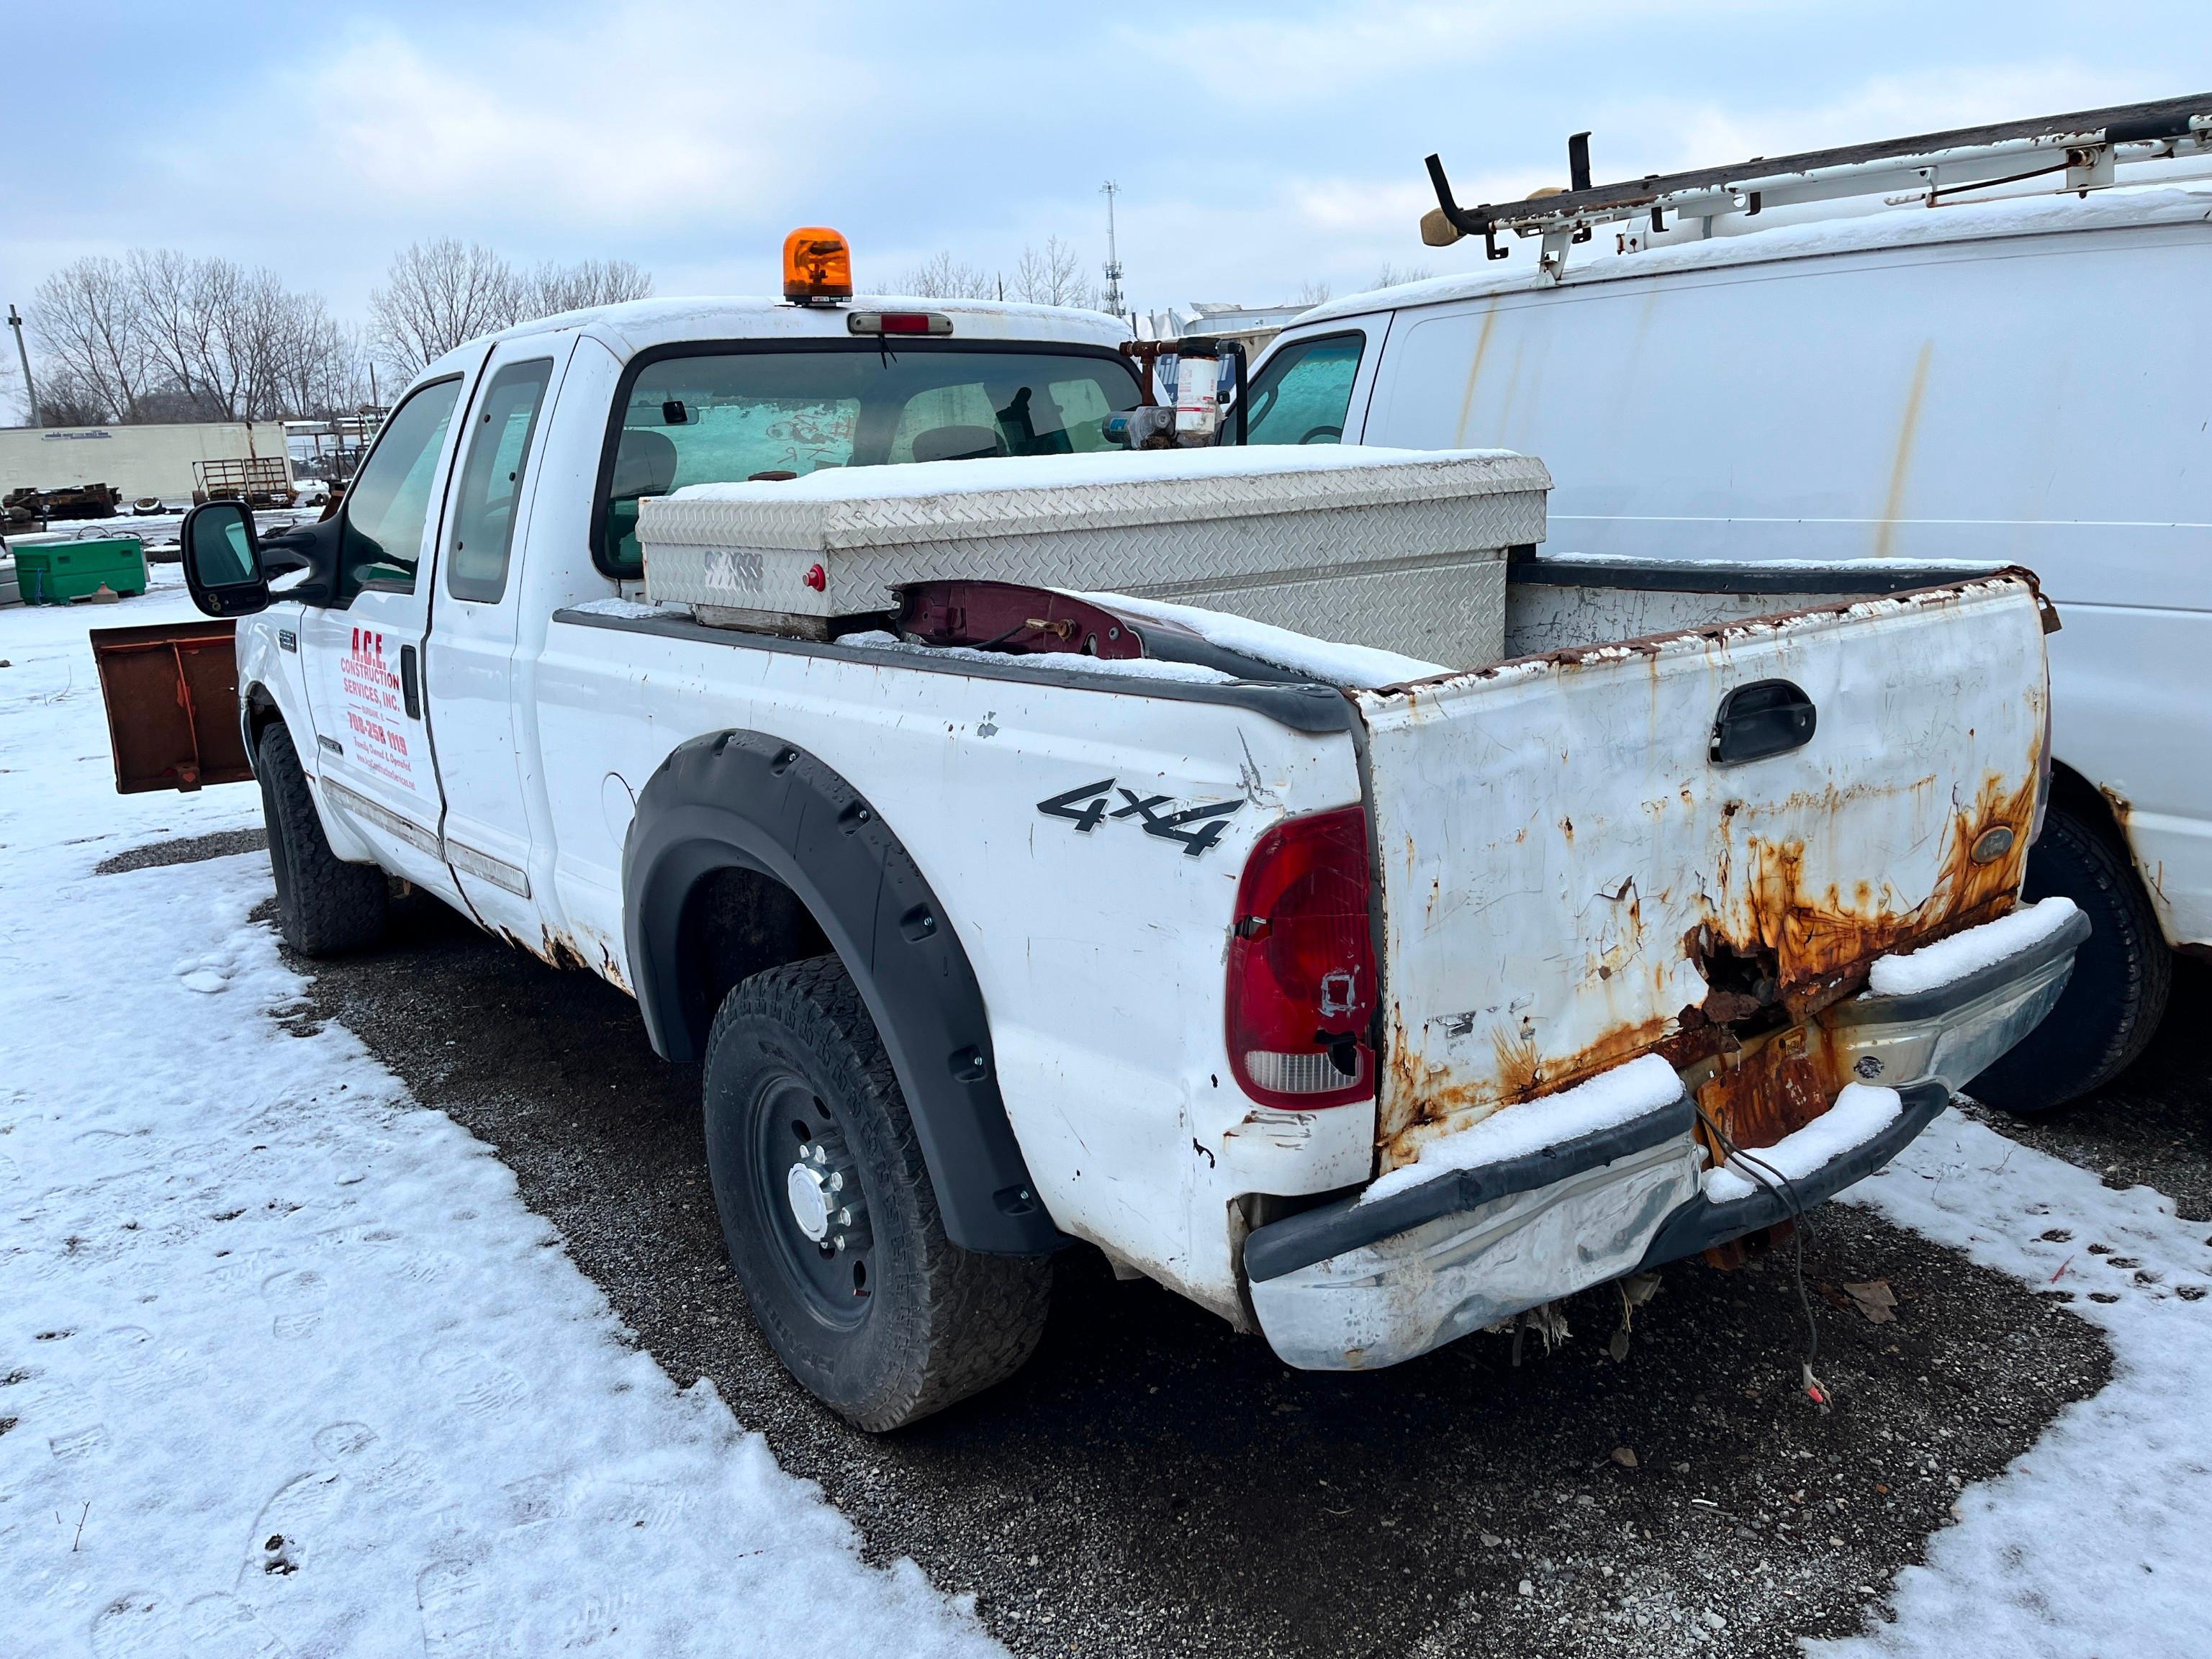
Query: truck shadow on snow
[1153, 1483]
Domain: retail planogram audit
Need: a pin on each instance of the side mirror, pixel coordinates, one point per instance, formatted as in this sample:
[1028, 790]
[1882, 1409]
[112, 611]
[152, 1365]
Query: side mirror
[223, 560]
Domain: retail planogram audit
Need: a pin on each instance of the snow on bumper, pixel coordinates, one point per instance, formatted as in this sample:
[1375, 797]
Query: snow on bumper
[1370, 1281]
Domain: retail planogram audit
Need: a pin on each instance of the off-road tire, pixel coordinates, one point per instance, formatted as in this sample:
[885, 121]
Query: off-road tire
[324, 906]
[2111, 1007]
[940, 1322]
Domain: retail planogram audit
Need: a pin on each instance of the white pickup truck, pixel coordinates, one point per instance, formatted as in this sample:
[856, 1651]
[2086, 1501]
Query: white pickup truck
[1366, 1000]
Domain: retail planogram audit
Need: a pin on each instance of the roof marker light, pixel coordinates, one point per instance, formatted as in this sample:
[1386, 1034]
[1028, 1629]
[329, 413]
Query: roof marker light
[818, 264]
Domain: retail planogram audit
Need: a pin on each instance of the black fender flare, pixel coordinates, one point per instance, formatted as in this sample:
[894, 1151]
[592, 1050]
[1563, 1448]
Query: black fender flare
[746, 800]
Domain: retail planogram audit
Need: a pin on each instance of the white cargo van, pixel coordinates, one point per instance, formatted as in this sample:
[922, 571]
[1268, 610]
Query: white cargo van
[2022, 381]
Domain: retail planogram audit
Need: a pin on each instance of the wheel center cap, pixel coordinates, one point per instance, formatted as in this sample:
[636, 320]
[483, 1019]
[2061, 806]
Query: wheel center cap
[810, 1201]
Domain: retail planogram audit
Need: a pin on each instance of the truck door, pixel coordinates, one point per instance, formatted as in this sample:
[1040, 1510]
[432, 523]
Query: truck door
[468, 667]
[364, 654]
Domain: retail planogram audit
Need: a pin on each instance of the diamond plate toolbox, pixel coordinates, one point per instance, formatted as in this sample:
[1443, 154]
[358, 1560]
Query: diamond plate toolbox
[1400, 549]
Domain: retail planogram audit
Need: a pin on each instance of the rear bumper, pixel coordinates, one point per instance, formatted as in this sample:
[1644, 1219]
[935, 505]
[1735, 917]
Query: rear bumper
[1353, 1286]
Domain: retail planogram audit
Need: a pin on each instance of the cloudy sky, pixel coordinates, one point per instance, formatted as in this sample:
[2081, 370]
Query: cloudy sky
[1259, 146]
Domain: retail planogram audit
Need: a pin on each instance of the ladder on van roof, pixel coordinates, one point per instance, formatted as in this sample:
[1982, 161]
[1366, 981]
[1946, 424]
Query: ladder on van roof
[2087, 147]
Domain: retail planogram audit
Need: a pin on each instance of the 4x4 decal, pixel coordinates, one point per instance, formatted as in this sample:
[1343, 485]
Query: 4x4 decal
[1086, 806]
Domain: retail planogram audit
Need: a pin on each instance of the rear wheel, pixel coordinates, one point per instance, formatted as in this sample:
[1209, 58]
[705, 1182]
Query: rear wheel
[2111, 1005]
[324, 906]
[829, 1216]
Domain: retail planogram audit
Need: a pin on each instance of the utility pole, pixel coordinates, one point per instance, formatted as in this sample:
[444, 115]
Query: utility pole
[1109, 190]
[30, 386]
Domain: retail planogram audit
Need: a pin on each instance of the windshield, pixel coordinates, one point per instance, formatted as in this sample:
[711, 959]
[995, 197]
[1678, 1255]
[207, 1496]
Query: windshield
[726, 416]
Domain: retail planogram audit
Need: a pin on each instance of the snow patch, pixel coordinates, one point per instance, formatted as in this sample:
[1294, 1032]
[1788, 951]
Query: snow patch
[632, 610]
[906, 480]
[1143, 668]
[1939, 964]
[1356, 666]
[1606, 1102]
[1861, 1111]
[290, 1366]
[2093, 1540]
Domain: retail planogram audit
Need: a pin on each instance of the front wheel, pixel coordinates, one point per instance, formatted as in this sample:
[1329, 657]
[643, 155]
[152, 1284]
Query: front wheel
[2111, 1005]
[830, 1216]
[324, 905]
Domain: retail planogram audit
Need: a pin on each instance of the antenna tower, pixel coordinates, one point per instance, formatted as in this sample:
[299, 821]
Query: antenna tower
[1113, 267]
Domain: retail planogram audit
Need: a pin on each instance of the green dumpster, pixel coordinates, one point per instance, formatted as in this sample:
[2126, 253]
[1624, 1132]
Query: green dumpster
[56, 573]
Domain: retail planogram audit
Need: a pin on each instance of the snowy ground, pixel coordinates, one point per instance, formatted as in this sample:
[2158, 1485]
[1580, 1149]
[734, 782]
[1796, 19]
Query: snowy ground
[286, 1366]
[2094, 1543]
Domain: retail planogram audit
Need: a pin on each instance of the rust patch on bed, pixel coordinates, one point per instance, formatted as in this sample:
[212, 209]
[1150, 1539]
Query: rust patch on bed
[1773, 953]
[1770, 1087]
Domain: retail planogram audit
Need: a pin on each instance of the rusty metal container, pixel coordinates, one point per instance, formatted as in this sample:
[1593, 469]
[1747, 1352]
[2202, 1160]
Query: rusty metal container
[172, 695]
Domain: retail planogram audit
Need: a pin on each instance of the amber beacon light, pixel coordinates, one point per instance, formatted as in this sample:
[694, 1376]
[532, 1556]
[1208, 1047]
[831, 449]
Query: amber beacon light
[817, 265]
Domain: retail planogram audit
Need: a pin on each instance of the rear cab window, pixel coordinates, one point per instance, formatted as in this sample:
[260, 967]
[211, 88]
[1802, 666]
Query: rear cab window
[726, 414]
[492, 480]
[1304, 393]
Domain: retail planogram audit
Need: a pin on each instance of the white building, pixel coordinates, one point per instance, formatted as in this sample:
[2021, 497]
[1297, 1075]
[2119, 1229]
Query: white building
[138, 460]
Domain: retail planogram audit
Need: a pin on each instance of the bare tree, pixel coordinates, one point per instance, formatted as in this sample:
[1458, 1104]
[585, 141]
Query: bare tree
[1391, 276]
[1053, 276]
[66, 400]
[552, 288]
[12, 379]
[943, 277]
[91, 330]
[1311, 293]
[437, 295]
[318, 366]
[217, 331]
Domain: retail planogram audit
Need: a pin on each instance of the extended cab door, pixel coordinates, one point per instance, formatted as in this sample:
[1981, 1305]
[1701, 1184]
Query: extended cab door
[471, 652]
[363, 652]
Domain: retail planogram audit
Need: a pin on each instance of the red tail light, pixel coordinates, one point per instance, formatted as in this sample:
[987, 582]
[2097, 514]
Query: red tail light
[1302, 980]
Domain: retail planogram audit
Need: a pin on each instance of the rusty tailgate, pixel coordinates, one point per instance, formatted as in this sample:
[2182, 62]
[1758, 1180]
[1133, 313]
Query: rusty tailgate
[172, 695]
[1568, 880]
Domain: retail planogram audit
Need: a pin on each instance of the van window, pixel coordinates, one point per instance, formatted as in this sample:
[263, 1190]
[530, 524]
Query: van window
[1301, 394]
[491, 481]
[727, 416]
[390, 502]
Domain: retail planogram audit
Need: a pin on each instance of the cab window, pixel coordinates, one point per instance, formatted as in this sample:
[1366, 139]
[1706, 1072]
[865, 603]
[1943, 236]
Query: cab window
[390, 502]
[1302, 394]
[491, 481]
[729, 415]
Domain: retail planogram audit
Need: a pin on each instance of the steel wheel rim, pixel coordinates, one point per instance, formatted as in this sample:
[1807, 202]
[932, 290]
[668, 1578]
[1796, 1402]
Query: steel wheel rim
[835, 1285]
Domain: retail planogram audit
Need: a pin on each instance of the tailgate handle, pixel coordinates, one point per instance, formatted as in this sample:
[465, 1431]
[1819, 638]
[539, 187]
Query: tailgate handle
[410, 685]
[1766, 717]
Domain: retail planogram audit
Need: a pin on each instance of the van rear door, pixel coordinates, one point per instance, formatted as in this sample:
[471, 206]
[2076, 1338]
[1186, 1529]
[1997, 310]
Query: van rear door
[1602, 852]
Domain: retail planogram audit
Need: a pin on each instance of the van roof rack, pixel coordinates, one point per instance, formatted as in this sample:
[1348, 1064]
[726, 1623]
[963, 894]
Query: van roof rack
[2086, 147]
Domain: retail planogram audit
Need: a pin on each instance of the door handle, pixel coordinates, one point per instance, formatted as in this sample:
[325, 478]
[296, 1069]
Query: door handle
[411, 685]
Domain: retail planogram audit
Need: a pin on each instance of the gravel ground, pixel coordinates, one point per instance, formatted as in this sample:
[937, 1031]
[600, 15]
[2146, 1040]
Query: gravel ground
[187, 849]
[1153, 1484]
